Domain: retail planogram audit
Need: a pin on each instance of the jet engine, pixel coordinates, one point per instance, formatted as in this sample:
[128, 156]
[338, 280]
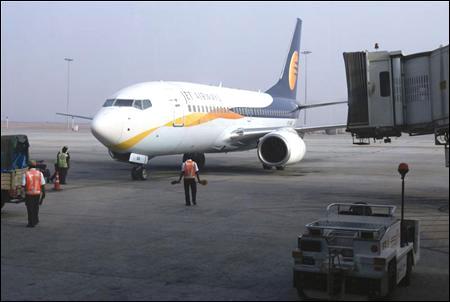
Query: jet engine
[280, 148]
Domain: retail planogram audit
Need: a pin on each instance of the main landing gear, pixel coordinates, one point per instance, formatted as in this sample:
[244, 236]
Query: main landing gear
[199, 158]
[139, 172]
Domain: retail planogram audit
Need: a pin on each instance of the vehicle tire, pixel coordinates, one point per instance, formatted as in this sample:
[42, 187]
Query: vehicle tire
[5, 197]
[406, 281]
[301, 294]
[392, 275]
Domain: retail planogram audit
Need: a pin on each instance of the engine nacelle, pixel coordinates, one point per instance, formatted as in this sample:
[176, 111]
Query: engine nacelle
[280, 148]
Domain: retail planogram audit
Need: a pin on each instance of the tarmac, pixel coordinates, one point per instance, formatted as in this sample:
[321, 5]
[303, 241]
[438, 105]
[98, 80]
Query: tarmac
[106, 237]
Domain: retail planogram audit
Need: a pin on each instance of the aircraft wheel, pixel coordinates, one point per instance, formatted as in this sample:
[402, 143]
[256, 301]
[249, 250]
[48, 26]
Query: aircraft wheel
[134, 174]
[266, 167]
[142, 173]
[138, 173]
[280, 168]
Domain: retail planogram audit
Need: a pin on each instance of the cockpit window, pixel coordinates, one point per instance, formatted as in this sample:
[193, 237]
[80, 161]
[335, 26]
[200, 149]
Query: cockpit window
[108, 103]
[138, 104]
[146, 104]
[123, 103]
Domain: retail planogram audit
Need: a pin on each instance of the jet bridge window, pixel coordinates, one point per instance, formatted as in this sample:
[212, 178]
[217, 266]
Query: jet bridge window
[123, 103]
[108, 103]
[385, 85]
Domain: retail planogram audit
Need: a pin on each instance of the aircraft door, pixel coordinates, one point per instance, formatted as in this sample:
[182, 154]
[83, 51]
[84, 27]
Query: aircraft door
[380, 95]
[178, 113]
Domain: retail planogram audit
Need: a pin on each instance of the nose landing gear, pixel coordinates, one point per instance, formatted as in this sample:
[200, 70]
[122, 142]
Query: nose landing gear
[139, 173]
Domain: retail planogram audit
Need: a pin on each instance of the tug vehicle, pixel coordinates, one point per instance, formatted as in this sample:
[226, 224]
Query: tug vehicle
[15, 158]
[357, 249]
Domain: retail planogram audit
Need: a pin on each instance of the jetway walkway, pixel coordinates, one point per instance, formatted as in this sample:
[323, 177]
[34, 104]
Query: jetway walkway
[390, 94]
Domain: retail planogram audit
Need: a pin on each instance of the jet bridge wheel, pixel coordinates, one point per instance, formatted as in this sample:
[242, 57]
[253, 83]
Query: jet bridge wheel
[138, 173]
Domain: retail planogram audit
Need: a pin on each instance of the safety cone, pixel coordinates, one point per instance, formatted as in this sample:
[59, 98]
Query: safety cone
[57, 186]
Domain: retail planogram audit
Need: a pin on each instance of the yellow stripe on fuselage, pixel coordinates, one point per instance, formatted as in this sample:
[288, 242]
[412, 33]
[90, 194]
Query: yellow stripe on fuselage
[190, 120]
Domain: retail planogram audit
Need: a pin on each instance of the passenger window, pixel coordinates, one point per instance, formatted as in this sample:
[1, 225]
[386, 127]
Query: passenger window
[108, 103]
[189, 108]
[146, 104]
[385, 85]
[137, 104]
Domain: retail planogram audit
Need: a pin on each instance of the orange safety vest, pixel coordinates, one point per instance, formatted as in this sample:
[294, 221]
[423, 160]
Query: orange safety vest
[33, 182]
[189, 169]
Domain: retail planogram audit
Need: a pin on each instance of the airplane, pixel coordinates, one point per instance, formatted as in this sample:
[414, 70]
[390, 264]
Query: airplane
[152, 119]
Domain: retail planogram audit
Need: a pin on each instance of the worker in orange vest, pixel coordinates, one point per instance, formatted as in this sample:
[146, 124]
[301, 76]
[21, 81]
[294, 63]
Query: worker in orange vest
[189, 170]
[33, 182]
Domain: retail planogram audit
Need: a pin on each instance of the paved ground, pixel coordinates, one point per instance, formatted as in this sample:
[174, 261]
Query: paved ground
[105, 237]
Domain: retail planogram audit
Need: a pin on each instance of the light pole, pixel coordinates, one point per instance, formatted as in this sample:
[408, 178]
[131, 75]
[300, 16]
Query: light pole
[68, 87]
[306, 53]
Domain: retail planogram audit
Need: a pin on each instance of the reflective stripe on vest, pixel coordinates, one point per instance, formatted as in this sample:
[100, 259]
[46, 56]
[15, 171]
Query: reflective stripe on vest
[189, 169]
[33, 182]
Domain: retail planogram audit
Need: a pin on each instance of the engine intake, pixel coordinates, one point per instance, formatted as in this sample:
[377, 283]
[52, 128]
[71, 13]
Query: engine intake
[280, 148]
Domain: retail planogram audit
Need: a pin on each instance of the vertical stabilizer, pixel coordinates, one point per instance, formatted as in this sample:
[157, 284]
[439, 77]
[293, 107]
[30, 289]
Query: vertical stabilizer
[287, 85]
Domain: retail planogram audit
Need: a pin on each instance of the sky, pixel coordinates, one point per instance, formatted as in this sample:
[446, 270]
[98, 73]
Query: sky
[239, 44]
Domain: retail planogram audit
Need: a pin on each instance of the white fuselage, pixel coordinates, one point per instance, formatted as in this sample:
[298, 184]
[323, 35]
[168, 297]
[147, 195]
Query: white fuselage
[185, 117]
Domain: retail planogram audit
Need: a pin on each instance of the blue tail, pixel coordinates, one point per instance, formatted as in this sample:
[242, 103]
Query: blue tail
[286, 87]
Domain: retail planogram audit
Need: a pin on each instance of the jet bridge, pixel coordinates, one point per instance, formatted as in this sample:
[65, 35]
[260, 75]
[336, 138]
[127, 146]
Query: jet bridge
[389, 93]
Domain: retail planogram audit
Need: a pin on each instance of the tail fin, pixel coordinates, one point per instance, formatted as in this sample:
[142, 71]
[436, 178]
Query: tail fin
[286, 87]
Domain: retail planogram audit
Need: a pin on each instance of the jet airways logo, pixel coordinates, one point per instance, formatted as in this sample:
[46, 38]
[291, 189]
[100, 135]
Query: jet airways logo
[293, 70]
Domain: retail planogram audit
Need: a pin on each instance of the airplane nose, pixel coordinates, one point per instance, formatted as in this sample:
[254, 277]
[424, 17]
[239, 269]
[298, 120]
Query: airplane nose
[107, 127]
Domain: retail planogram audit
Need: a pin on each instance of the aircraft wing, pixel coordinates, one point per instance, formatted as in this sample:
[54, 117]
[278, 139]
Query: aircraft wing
[317, 128]
[73, 115]
[320, 105]
[242, 135]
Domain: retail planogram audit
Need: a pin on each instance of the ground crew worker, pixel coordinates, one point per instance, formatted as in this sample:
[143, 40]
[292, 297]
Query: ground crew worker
[33, 182]
[189, 170]
[63, 161]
